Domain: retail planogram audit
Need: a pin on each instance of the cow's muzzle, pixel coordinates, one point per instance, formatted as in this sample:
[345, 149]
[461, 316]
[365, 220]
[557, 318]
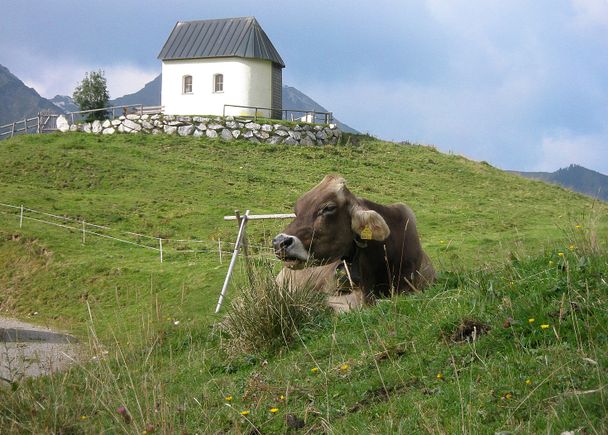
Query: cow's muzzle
[289, 248]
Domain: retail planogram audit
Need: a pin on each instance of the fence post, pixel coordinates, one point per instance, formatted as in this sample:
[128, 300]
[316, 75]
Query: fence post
[232, 261]
[21, 217]
[160, 247]
[38, 127]
[13, 130]
[84, 231]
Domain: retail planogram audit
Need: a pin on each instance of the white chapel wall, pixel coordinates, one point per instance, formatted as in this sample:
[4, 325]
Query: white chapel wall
[247, 82]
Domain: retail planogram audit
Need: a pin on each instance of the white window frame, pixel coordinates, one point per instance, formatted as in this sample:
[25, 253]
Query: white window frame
[185, 85]
[218, 89]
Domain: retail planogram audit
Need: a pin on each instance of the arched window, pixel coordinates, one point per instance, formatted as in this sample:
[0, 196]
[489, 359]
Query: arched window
[218, 83]
[187, 84]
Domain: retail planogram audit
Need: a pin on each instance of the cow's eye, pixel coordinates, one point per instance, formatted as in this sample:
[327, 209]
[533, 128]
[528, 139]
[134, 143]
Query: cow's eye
[329, 209]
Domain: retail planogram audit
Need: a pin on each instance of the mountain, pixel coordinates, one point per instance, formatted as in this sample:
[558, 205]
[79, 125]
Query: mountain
[295, 99]
[149, 95]
[18, 101]
[65, 103]
[576, 178]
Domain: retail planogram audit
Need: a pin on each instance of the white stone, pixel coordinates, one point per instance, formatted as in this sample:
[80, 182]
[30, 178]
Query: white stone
[261, 135]
[169, 129]
[307, 141]
[198, 133]
[86, 127]
[133, 117]
[236, 134]
[321, 135]
[211, 133]
[131, 125]
[116, 122]
[96, 127]
[215, 126]
[106, 123]
[185, 130]
[267, 128]
[62, 124]
[108, 131]
[281, 133]
[226, 134]
[252, 126]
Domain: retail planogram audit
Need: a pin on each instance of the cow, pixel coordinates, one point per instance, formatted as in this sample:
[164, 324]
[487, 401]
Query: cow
[379, 242]
[333, 279]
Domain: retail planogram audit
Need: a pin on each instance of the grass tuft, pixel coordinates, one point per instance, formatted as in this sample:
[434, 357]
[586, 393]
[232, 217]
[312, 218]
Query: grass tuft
[267, 316]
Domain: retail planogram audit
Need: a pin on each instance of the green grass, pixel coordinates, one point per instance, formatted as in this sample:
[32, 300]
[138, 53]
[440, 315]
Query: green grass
[494, 238]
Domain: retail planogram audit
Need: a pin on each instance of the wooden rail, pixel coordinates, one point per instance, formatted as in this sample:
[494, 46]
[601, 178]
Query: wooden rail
[42, 122]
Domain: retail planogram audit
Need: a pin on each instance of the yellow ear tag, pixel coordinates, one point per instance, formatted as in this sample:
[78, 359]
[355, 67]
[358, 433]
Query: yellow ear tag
[366, 233]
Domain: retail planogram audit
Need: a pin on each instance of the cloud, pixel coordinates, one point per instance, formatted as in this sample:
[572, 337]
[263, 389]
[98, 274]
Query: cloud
[561, 148]
[591, 13]
[60, 76]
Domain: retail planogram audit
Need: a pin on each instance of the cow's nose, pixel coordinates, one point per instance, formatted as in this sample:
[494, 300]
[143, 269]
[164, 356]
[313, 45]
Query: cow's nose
[282, 242]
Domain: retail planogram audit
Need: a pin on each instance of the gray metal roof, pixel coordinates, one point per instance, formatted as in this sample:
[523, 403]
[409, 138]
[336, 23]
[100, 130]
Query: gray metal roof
[240, 37]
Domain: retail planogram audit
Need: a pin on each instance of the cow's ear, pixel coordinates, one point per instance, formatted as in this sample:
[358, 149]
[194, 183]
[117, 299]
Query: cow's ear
[369, 225]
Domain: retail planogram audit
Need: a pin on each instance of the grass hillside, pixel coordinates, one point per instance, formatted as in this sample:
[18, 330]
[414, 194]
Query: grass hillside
[508, 250]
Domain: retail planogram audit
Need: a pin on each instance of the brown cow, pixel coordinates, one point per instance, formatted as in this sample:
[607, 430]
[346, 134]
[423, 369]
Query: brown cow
[331, 279]
[379, 242]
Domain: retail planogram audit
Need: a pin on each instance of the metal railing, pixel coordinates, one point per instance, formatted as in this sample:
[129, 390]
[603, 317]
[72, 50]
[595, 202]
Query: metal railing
[309, 116]
[124, 110]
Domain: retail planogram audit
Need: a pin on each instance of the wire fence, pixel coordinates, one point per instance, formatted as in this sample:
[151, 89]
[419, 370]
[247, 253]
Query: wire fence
[161, 245]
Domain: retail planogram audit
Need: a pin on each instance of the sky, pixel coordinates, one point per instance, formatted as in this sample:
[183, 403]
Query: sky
[519, 84]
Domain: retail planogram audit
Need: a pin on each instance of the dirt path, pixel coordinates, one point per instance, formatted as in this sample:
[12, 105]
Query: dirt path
[27, 350]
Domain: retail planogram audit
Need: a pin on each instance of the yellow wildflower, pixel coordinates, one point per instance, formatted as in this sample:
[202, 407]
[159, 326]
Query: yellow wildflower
[314, 369]
[572, 247]
[578, 227]
[344, 367]
[531, 320]
[508, 396]
[83, 417]
[544, 326]
[440, 376]
[246, 412]
[281, 397]
[528, 381]
[561, 254]
[228, 398]
[274, 410]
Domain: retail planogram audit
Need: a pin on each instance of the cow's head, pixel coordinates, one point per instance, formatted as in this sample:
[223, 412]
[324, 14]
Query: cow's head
[328, 218]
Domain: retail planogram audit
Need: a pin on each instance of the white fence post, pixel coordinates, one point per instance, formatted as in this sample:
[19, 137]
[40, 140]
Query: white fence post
[84, 231]
[160, 246]
[21, 217]
[237, 245]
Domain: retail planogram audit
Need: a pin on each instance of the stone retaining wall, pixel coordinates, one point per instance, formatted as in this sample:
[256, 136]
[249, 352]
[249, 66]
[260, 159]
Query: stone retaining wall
[228, 128]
